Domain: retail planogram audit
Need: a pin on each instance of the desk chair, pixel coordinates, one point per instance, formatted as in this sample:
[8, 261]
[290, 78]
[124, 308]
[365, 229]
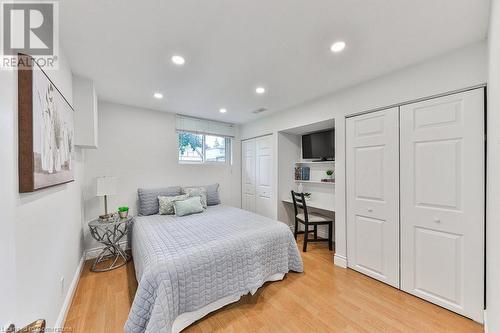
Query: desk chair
[307, 219]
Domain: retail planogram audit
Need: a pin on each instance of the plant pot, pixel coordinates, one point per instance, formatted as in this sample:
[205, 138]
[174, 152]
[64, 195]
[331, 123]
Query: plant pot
[123, 214]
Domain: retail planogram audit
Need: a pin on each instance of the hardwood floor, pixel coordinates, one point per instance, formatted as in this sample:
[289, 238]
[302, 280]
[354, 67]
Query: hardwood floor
[323, 299]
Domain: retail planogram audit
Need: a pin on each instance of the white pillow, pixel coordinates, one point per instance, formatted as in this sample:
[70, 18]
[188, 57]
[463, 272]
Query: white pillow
[197, 192]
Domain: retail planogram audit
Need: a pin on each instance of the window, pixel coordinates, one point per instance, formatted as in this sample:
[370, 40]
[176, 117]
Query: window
[201, 148]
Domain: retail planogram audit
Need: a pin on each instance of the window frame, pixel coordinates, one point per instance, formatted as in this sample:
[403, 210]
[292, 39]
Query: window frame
[228, 150]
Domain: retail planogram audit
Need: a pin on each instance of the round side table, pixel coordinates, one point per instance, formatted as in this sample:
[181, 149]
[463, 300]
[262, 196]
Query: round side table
[109, 233]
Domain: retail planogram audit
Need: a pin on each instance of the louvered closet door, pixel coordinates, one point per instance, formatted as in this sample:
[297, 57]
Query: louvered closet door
[442, 201]
[264, 176]
[372, 164]
[248, 175]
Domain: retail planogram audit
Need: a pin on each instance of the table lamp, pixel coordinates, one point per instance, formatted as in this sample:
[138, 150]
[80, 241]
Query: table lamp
[106, 186]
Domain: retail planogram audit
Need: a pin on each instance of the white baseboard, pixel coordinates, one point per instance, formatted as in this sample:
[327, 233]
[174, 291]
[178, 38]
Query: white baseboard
[61, 319]
[94, 252]
[485, 322]
[340, 260]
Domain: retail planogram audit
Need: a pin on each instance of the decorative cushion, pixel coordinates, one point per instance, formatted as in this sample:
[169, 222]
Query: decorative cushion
[212, 194]
[167, 203]
[191, 205]
[148, 198]
[197, 192]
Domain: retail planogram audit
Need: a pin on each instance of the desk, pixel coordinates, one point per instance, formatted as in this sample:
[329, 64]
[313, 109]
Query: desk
[330, 206]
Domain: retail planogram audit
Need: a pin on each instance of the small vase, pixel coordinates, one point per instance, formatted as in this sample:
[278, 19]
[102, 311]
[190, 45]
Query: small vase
[123, 214]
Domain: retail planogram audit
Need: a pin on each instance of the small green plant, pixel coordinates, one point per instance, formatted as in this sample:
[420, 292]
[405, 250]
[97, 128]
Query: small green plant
[123, 209]
[329, 172]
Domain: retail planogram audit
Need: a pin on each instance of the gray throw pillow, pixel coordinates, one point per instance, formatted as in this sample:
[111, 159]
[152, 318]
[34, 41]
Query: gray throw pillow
[191, 205]
[167, 203]
[197, 192]
[212, 194]
[148, 198]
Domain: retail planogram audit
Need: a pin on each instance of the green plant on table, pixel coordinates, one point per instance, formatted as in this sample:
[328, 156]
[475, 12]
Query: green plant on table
[123, 209]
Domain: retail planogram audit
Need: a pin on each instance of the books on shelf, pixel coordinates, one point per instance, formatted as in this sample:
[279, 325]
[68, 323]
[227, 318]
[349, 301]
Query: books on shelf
[302, 173]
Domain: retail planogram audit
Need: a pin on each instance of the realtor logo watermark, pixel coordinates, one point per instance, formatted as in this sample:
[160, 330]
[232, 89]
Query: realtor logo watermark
[30, 28]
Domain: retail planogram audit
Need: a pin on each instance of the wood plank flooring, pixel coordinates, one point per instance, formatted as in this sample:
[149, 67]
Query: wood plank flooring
[323, 299]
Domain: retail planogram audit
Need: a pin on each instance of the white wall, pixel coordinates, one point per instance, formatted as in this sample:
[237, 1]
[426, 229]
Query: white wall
[8, 165]
[139, 146]
[288, 153]
[463, 68]
[41, 231]
[493, 175]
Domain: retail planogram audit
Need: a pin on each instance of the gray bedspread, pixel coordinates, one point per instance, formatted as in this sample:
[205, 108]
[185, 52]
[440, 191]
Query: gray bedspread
[185, 263]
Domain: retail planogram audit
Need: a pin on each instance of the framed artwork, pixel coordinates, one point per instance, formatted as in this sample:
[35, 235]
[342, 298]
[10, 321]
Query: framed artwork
[46, 130]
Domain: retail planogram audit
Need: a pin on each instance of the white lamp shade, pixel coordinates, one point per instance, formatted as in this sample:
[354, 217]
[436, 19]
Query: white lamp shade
[106, 186]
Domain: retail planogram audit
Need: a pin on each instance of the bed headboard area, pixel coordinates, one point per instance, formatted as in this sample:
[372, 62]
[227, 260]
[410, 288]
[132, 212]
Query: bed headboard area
[148, 197]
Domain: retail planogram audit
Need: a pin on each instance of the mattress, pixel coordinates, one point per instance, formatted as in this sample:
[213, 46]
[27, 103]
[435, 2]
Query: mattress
[186, 266]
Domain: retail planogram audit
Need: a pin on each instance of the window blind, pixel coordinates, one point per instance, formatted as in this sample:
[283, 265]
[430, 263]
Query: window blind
[204, 126]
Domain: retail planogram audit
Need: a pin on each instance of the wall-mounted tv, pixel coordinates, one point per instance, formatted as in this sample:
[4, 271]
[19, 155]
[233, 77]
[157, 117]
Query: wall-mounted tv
[319, 145]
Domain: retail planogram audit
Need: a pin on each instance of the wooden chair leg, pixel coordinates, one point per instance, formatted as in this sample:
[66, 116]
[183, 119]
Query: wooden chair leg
[330, 236]
[306, 232]
[296, 229]
[315, 231]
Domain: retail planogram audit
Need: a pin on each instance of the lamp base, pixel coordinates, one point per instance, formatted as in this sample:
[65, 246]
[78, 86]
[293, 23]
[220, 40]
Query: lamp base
[106, 217]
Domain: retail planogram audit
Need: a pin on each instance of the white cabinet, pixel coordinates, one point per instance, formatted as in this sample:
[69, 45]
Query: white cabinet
[85, 104]
[415, 199]
[257, 176]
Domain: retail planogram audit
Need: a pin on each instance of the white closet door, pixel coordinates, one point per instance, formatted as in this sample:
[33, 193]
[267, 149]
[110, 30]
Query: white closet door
[373, 195]
[248, 175]
[442, 201]
[264, 176]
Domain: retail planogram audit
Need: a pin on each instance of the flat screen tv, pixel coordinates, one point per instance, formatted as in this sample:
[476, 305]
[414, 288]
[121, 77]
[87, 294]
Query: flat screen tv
[320, 145]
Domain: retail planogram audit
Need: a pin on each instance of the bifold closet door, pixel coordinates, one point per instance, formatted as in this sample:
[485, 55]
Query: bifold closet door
[248, 175]
[372, 164]
[264, 176]
[442, 201]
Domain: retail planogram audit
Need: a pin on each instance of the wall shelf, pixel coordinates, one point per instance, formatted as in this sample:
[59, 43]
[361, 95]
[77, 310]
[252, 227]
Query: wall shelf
[319, 163]
[314, 182]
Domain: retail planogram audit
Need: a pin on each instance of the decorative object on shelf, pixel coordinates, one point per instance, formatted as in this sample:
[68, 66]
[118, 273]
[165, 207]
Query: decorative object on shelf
[305, 173]
[300, 188]
[106, 186]
[123, 212]
[330, 175]
[110, 233]
[46, 130]
[298, 171]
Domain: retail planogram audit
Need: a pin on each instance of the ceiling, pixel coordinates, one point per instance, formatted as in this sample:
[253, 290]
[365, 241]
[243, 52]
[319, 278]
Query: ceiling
[232, 46]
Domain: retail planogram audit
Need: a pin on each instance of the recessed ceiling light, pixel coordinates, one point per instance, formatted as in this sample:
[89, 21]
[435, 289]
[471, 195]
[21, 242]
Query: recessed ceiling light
[178, 60]
[260, 90]
[338, 46]
[158, 95]
[222, 110]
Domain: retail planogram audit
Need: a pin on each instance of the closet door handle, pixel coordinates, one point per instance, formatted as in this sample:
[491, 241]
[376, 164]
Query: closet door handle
[370, 210]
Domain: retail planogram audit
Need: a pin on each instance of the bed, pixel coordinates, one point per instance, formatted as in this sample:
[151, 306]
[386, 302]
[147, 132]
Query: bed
[187, 267]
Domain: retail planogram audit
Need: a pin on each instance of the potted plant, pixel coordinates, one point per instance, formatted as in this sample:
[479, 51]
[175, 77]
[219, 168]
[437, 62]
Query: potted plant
[307, 196]
[329, 173]
[123, 212]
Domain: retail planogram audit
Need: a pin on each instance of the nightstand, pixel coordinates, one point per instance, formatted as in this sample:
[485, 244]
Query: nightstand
[109, 233]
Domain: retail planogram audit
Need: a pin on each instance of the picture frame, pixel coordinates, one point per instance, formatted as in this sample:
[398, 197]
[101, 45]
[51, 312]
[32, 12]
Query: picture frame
[45, 130]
